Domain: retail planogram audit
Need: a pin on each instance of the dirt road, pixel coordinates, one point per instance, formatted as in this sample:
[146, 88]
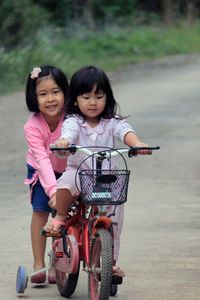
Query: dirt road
[160, 249]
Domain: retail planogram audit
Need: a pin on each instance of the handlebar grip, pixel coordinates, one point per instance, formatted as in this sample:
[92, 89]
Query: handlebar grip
[71, 148]
[145, 148]
[133, 150]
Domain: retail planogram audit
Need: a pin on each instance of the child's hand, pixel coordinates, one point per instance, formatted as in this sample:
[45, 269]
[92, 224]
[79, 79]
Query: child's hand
[52, 201]
[143, 152]
[62, 143]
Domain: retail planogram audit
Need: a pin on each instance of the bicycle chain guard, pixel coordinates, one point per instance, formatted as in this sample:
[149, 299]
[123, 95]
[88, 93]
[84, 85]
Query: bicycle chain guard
[64, 263]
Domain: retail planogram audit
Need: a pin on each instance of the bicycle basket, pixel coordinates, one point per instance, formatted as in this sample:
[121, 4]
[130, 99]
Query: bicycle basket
[108, 188]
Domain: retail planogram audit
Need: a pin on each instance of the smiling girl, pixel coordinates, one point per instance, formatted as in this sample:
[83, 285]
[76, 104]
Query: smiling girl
[46, 93]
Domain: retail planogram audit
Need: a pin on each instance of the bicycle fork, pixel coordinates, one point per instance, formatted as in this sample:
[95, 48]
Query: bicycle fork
[96, 223]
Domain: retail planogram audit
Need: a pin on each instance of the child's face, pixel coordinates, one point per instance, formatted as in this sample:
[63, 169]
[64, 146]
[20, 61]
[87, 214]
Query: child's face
[50, 97]
[91, 104]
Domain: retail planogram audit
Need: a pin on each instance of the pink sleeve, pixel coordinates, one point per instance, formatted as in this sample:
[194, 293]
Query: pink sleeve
[41, 157]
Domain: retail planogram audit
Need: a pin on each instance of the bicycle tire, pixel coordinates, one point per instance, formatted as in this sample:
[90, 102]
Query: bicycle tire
[66, 283]
[113, 289]
[100, 257]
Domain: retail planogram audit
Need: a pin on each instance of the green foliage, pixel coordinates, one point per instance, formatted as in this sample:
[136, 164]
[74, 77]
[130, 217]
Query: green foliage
[109, 48]
[60, 12]
[109, 11]
[73, 33]
[64, 11]
[19, 21]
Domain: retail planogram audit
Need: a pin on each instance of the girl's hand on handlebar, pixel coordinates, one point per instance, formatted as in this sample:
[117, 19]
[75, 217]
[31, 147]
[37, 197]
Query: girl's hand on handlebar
[62, 143]
[142, 152]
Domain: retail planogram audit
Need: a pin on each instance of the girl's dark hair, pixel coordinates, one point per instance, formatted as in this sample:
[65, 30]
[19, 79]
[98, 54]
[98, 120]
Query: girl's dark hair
[82, 82]
[58, 76]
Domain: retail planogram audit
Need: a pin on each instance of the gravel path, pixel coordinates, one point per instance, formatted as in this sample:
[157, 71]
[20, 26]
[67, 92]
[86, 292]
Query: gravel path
[160, 250]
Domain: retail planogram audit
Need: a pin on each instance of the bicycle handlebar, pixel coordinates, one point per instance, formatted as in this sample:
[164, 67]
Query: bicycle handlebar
[110, 152]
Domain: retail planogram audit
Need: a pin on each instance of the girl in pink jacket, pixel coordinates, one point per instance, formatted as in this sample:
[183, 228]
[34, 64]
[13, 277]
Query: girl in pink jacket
[46, 93]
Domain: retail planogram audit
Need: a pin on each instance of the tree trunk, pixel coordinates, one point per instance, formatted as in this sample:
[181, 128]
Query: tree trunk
[192, 10]
[167, 11]
[89, 14]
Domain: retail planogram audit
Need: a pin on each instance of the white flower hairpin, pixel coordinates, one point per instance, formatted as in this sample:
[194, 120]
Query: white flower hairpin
[35, 73]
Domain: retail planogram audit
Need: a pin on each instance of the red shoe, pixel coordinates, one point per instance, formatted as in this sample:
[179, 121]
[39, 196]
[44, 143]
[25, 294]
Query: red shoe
[51, 279]
[38, 278]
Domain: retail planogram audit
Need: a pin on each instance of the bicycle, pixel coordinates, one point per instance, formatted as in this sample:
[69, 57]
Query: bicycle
[88, 233]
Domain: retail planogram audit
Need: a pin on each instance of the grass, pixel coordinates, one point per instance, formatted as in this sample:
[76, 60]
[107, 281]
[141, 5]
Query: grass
[108, 48]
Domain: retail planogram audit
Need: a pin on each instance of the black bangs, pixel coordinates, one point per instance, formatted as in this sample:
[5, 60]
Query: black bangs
[46, 71]
[88, 80]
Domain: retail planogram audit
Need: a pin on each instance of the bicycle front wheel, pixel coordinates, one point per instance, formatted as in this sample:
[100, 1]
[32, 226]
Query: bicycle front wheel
[100, 269]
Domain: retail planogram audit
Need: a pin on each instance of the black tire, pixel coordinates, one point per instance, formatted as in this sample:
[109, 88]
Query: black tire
[113, 289]
[66, 283]
[100, 257]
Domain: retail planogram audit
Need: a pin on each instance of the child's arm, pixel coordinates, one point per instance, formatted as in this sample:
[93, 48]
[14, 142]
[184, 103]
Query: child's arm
[39, 155]
[58, 143]
[131, 139]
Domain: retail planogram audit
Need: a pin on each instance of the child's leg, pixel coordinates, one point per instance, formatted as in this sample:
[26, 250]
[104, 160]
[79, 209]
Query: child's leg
[64, 200]
[66, 193]
[39, 218]
[118, 218]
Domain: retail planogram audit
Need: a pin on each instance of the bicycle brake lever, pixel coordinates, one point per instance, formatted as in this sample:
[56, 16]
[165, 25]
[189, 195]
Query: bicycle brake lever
[73, 149]
[131, 152]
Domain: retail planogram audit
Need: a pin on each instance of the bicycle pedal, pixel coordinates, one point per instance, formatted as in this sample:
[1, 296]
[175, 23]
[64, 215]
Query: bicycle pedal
[115, 223]
[117, 280]
[50, 234]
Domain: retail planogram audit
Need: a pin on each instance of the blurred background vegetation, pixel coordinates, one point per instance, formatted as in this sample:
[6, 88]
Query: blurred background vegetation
[107, 33]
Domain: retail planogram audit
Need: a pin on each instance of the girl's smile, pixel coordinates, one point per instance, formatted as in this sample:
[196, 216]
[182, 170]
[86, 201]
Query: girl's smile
[51, 107]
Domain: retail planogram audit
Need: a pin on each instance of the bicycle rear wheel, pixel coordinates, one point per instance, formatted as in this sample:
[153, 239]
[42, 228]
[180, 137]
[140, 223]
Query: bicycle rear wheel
[66, 283]
[67, 267]
[101, 262]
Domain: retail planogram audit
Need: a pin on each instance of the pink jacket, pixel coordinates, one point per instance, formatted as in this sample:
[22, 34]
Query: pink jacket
[39, 137]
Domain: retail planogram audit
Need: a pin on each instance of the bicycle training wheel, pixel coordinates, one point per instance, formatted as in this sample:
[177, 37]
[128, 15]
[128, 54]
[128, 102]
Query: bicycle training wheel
[101, 262]
[22, 279]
